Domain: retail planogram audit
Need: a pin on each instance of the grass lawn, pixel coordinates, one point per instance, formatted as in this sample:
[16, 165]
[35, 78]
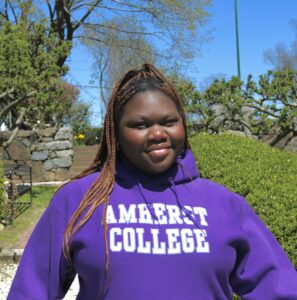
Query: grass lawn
[10, 236]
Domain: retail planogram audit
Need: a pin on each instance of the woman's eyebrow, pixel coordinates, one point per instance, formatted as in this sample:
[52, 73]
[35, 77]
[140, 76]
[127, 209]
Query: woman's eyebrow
[163, 116]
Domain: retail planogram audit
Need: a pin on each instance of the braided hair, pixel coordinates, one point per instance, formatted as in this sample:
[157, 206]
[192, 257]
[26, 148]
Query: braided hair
[134, 81]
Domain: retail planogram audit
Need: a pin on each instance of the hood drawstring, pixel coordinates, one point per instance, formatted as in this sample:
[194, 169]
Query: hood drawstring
[148, 204]
[183, 209]
[186, 211]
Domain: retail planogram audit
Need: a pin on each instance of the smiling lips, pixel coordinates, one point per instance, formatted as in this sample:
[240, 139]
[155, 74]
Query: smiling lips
[158, 152]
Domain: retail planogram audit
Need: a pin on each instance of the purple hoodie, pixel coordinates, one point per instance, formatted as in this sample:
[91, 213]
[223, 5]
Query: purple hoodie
[174, 236]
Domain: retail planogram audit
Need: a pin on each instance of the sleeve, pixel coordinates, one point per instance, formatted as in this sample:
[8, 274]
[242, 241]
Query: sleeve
[43, 272]
[263, 270]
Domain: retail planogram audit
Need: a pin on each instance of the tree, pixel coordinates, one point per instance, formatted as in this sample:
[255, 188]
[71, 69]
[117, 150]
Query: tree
[30, 80]
[79, 118]
[275, 101]
[138, 24]
[283, 56]
[197, 110]
[119, 51]
[175, 22]
[271, 103]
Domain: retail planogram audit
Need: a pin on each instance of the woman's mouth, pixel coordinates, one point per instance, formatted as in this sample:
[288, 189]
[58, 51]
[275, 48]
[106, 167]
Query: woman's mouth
[158, 153]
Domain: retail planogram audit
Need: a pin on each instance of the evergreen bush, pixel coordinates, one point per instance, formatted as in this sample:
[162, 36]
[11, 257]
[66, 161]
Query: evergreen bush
[265, 176]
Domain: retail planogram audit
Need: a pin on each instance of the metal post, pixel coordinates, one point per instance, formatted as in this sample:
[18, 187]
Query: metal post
[237, 41]
[30, 167]
[11, 217]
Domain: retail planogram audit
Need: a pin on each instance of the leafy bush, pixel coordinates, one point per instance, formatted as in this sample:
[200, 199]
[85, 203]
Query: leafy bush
[265, 176]
[89, 136]
[93, 135]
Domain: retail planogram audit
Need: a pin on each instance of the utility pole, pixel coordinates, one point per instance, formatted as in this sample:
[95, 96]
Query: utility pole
[237, 41]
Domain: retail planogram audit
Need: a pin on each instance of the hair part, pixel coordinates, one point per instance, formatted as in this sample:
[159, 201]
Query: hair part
[132, 82]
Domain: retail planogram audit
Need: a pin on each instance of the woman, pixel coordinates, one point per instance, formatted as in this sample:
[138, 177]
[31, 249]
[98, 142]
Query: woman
[141, 224]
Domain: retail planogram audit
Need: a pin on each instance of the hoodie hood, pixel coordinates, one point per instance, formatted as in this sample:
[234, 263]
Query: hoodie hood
[184, 170]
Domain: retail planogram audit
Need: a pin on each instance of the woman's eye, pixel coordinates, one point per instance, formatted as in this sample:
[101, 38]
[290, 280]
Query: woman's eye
[170, 122]
[140, 125]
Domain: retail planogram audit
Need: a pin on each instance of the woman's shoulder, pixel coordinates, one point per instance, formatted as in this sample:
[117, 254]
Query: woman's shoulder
[218, 193]
[210, 185]
[68, 197]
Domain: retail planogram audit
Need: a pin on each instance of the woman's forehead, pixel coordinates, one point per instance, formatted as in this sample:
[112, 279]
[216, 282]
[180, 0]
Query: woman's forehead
[150, 100]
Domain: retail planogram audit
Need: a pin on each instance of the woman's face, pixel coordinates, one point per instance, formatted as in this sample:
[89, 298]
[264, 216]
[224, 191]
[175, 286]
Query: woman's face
[151, 132]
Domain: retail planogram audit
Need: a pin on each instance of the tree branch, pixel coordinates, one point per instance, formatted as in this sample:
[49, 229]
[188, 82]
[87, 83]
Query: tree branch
[84, 17]
[6, 93]
[262, 110]
[14, 103]
[17, 128]
[141, 8]
[102, 70]
[51, 12]
[13, 13]
[95, 26]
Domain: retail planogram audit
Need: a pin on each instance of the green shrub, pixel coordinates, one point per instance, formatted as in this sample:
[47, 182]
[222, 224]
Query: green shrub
[89, 136]
[93, 135]
[265, 176]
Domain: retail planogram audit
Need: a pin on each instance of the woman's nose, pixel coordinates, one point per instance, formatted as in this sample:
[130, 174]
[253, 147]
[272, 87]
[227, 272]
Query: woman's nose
[157, 133]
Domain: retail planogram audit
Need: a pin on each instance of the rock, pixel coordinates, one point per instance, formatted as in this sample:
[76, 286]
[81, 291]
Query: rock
[8, 163]
[22, 171]
[53, 154]
[5, 155]
[38, 172]
[219, 112]
[24, 133]
[38, 147]
[47, 139]
[50, 176]
[292, 145]
[48, 165]
[62, 162]
[48, 132]
[34, 147]
[39, 155]
[57, 145]
[26, 142]
[282, 141]
[61, 174]
[17, 254]
[54, 145]
[64, 153]
[4, 135]
[64, 133]
[269, 138]
[17, 151]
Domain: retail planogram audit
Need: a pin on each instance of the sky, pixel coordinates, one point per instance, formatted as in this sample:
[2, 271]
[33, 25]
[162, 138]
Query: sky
[262, 24]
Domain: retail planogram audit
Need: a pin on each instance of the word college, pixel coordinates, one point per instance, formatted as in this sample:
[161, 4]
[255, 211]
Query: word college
[171, 231]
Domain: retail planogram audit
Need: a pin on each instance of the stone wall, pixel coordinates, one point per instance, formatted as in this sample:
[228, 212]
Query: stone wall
[287, 142]
[49, 151]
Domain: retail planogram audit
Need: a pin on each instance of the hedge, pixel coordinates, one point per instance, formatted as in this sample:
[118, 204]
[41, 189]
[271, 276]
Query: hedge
[265, 176]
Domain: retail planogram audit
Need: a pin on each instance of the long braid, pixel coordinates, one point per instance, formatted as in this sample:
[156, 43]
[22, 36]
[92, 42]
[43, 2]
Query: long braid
[148, 77]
